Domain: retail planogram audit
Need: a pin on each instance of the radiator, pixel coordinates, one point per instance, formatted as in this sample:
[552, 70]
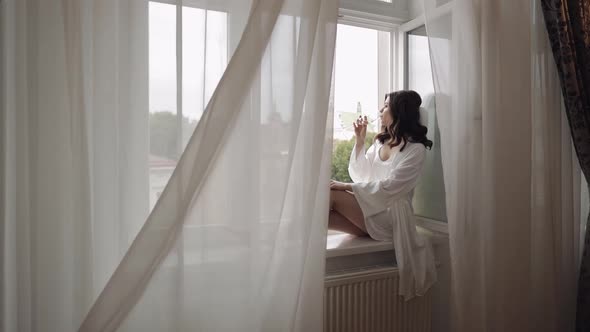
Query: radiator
[368, 301]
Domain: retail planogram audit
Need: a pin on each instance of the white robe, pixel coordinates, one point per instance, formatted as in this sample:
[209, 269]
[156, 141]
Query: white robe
[384, 191]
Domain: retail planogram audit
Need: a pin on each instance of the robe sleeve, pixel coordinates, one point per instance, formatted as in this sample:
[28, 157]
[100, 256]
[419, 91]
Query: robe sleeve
[359, 166]
[377, 196]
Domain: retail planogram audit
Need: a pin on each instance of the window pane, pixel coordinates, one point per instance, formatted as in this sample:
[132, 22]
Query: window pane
[162, 93]
[429, 197]
[356, 79]
[356, 88]
[204, 58]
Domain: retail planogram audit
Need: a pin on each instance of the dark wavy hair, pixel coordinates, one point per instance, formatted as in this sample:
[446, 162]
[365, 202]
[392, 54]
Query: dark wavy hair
[404, 108]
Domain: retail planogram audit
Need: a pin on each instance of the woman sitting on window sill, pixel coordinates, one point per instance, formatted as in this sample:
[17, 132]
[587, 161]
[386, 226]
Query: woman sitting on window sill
[379, 202]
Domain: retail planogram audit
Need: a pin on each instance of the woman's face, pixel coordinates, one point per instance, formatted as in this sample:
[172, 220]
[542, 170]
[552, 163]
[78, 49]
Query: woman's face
[385, 114]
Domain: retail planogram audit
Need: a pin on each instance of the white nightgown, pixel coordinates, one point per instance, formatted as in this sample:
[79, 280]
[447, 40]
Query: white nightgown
[384, 191]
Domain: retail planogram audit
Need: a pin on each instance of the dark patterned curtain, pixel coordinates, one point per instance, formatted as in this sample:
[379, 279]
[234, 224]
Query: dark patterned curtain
[568, 25]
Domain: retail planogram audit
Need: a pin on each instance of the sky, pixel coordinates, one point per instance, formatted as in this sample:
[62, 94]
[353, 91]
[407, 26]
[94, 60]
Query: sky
[356, 75]
[195, 76]
[162, 57]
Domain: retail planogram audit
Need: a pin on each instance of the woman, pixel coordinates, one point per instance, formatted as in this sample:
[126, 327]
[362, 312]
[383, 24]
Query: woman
[379, 202]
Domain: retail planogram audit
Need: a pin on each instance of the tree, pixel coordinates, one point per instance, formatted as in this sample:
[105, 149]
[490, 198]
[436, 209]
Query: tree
[164, 133]
[341, 156]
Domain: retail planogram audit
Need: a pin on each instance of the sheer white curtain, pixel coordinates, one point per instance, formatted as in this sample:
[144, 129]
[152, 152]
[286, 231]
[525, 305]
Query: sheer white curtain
[512, 183]
[236, 240]
[74, 138]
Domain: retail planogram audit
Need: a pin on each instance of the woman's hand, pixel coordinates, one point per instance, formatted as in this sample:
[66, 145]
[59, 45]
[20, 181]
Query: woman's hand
[360, 128]
[337, 185]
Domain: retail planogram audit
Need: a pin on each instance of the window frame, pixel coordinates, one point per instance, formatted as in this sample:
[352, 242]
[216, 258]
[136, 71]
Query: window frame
[218, 5]
[392, 17]
[403, 32]
[366, 14]
[372, 14]
[384, 85]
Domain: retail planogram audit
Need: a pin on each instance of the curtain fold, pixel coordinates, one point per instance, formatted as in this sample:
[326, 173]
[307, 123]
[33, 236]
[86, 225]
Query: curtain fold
[75, 153]
[568, 27]
[509, 171]
[116, 81]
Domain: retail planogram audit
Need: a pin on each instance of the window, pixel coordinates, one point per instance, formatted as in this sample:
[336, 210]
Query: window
[429, 197]
[179, 91]
[361, 80]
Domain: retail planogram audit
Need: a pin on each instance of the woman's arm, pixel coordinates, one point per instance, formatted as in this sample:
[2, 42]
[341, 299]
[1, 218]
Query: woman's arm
[359, 166]
[359, 148]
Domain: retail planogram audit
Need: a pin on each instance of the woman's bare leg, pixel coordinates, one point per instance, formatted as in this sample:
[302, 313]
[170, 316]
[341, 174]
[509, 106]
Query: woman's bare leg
[338, 223]
[346, 205]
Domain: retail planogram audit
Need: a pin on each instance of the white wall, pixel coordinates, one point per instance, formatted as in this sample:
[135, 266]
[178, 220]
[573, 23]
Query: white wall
[416, 7]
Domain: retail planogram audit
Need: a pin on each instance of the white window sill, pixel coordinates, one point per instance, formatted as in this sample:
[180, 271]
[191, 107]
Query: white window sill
[345, 244]
[345, 252]
[432, 225]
